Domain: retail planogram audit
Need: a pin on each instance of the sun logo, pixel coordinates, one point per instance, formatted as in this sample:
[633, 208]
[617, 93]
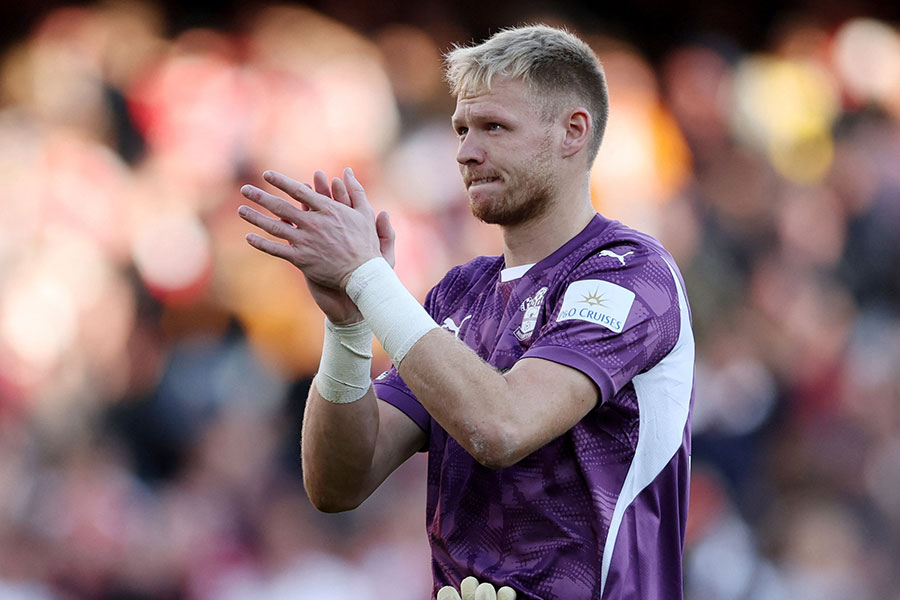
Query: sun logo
[594, 299]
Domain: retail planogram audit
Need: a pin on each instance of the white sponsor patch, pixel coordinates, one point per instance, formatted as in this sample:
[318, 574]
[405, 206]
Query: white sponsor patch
[597, 301]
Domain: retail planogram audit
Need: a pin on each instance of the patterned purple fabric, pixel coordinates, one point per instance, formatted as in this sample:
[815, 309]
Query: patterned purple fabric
[600, 511]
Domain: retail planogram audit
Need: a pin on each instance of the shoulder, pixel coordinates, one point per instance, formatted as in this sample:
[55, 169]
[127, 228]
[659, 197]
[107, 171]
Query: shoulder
[621, 267]
[462, 279]
[621, 255]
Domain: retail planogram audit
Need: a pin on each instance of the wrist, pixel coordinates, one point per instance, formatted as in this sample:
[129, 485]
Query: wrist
[345, 368]
[394, 315]
[345, 280]
[347, 321]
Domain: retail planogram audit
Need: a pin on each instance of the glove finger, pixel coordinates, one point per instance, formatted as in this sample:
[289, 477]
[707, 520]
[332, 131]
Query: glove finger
[467, 588]
[506, 593]
[485, 591]
[448, 592]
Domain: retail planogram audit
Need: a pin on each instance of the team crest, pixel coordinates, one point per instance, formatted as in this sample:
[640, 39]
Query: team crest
[532, 308]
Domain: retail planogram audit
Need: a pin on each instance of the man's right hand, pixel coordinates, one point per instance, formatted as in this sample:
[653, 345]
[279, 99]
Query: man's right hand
[335, 303]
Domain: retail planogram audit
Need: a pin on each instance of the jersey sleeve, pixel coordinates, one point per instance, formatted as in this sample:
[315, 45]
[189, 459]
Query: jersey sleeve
[612, 321]
[391, 388]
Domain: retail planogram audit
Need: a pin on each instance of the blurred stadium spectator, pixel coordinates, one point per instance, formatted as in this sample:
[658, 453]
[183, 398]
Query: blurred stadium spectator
[153, 367]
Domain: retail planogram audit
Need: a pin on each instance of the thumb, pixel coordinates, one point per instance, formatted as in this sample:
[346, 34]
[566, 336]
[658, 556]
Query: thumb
[386, 237]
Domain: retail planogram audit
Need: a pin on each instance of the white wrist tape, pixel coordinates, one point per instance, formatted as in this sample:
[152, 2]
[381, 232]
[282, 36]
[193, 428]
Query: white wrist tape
[395, 316]
[345, 371]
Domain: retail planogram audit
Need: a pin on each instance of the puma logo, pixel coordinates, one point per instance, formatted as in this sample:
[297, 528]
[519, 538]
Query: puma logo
[620, 257]
[449, 325]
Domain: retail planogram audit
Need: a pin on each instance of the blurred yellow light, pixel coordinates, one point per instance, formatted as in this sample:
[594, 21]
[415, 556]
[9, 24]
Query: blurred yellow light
[804, 159]
[785, 108]
[643, 159]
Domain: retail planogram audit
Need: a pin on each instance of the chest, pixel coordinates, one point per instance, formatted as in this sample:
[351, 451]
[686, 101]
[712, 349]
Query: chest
[500, 321]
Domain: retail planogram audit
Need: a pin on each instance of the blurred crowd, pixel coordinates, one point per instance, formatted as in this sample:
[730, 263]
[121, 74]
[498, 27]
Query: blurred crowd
[153, 366]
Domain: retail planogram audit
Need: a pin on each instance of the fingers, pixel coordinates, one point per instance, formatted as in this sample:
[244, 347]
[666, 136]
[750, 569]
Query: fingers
[467, 587]
[320, 184]
[294, 189]
[356, 191]
[470, 589]
[275, 205]
[448, 592]
[269, 247]
[339, 191]
[282, 228]
[506, 593]
[485, 591]
[386, 236]
[348, 191]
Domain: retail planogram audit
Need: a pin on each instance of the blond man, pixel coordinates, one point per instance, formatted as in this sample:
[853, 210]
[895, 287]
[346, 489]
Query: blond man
[551, 386]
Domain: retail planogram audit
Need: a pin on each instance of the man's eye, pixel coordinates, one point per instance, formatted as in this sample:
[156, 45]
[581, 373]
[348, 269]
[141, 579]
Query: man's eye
[495, 126]
[462, 131]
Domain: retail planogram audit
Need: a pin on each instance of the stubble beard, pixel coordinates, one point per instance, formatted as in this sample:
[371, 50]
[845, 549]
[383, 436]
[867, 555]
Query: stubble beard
[528, 195]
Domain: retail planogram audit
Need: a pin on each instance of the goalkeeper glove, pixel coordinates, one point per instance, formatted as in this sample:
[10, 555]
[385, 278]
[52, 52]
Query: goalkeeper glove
[472, 590]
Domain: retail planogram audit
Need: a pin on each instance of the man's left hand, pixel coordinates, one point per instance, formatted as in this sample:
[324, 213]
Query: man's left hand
[327, 239]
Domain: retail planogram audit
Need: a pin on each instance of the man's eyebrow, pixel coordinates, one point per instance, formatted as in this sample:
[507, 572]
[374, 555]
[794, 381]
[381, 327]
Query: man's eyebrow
[484, 114]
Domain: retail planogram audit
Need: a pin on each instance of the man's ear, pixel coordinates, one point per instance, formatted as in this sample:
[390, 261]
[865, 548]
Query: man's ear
[579, 127]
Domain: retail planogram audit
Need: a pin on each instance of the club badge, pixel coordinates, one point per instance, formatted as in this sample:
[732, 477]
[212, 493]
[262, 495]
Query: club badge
[532, 308]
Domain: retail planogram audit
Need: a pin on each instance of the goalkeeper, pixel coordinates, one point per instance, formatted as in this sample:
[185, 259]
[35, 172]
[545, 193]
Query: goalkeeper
[554, 398]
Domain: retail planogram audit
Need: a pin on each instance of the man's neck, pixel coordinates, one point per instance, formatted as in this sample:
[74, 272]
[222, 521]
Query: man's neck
[534, 240]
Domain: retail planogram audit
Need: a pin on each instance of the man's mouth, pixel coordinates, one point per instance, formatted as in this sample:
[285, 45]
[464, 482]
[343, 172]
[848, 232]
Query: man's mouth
[482, 180]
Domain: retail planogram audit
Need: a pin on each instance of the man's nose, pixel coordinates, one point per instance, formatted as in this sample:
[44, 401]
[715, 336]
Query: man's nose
[469, 151]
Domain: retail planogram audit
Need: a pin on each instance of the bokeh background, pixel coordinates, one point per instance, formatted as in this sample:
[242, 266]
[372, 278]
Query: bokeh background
[153, 367]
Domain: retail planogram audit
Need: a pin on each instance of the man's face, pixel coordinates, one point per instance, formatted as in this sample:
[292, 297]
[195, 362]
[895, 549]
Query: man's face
[505, 153]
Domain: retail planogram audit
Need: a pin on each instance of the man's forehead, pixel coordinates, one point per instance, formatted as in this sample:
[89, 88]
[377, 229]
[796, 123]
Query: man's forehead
[499, 84]
[479, 105]
[507, 97]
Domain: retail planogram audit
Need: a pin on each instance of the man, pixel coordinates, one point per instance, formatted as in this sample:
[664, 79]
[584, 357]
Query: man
[554, 403]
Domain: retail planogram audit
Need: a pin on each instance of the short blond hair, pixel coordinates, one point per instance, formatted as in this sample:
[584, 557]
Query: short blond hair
[556, 65]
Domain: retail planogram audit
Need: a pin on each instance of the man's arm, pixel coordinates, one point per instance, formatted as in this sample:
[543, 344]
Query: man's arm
[351, 444]
[349, 449]
[498, 418]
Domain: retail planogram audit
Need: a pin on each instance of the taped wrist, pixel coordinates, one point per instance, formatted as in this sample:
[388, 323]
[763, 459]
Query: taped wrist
[346, 367]
[393, 314]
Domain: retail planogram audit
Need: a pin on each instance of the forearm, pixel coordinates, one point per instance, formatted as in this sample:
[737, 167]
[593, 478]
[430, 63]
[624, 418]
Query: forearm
[469, 398]
[466, 396]
[337, 448]
[340, 424]
[498, 418]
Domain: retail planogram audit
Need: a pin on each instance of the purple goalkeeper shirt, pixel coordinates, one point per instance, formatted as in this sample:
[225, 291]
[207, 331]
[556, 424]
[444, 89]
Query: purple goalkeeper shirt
[600, 511]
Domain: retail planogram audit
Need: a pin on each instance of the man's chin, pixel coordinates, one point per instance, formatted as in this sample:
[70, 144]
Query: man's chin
[486, 210]
[492, 216]
[499, 211]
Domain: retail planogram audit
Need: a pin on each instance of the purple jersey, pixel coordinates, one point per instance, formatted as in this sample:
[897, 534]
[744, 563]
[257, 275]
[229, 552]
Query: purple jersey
[600, 511]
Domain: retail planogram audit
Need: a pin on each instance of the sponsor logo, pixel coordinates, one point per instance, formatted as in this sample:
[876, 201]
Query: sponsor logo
[619, 257]
[450, 325]
[532, 308]
[597, 301]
